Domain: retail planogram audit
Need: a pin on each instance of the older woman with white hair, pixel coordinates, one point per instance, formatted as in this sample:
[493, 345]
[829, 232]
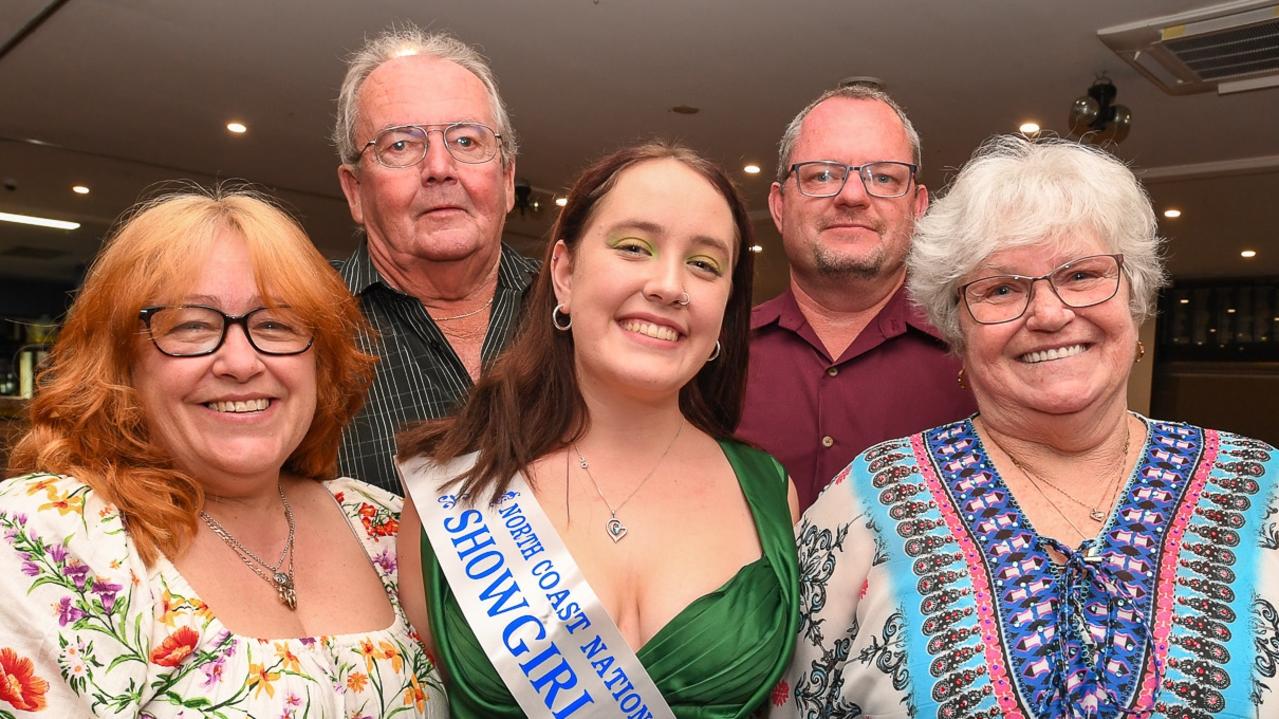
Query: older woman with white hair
[1056, 554]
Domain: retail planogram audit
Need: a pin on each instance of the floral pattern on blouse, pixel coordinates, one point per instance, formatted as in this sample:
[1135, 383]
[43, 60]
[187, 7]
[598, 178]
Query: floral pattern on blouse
[87, 629]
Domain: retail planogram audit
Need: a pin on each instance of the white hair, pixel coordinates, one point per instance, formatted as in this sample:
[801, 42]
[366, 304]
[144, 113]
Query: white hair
[401, 41]
[1015, 192]
[851, 92]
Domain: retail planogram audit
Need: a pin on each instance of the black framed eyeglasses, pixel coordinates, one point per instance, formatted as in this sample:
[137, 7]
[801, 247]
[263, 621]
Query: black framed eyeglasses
[196, 330]
[1079, 283]
[406, 145]
[825, 178]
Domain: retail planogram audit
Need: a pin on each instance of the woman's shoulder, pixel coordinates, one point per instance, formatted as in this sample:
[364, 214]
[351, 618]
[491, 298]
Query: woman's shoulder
[59, 503]
[753, 465]
[343, 488]
[373, 512]
[1227, 440]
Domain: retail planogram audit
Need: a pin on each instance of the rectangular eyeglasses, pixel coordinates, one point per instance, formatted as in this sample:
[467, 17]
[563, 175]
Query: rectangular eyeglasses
[1079, 283]
[196, 330]
[824, 178]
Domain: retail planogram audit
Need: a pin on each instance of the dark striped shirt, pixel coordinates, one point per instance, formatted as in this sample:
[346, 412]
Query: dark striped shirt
[419, 376]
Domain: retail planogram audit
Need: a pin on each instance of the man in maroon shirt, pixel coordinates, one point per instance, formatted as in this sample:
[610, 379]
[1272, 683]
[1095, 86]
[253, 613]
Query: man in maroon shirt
[841, 361]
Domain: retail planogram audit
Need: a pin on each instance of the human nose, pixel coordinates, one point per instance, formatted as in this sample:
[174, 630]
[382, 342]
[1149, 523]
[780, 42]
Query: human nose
[437, 163]
[1044, 309]
[237, 358]
[854, 190]
[666, 283]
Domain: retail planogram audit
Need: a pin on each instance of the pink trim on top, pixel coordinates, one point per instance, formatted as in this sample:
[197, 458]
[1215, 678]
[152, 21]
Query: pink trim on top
[996, 661]
[1165, 584]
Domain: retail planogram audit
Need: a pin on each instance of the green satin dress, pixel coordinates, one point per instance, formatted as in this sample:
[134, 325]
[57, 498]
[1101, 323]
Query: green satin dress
[720, 657]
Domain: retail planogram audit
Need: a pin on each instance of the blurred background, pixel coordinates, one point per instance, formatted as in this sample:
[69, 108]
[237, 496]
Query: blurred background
[103, 102]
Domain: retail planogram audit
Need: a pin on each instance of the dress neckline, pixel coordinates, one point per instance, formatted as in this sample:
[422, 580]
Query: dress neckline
[1044, 626]
[1125, 487]
[174, 579]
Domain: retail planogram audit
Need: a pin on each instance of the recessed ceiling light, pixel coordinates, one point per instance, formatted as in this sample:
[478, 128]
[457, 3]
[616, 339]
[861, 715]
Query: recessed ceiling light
[1185, 301]
[1172, 213]
[1029, 128]
[751, 169]
[756, 249]
[80, 189]
[561, 201]
[1248, 254]
[1230, 310]
[238, 128]
[39, 221]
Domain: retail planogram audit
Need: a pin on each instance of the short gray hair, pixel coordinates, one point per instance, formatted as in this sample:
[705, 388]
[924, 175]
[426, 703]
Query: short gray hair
[1016, 192]
[399, 41]
[855, 91]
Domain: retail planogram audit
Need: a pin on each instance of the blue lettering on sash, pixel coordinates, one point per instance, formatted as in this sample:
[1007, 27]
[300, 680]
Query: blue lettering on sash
[556, 677]
[502, 594]
[521, 531]
[621, 687]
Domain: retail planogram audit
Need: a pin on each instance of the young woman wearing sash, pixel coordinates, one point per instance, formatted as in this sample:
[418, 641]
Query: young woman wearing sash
[595, 543]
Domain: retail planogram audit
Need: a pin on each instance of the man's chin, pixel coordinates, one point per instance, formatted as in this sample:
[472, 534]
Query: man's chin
[847, 266]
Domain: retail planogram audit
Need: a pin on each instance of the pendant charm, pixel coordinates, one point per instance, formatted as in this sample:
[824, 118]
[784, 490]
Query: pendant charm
[1097, 515]
[284, 587]
[616, 530]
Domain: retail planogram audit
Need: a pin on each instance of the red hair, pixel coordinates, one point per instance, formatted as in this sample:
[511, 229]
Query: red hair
[85, 419]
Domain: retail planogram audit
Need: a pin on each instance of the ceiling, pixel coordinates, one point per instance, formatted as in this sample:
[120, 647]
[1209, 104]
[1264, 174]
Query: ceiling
[128, 96]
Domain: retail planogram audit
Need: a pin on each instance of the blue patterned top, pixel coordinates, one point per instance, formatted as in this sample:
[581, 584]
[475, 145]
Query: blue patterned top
[926, 592]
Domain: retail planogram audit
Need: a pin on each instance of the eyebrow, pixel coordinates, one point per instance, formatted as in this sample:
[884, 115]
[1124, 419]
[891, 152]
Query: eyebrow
[211, 301]
[655, 229]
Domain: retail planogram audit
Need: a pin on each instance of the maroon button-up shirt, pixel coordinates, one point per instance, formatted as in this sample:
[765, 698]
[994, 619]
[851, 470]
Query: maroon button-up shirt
[814, 414]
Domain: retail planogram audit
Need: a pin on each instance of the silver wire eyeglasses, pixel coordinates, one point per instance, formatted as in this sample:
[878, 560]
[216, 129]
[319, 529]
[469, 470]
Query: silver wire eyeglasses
[406, 145]
[1079, 283]
[824, 178]
[196, 330]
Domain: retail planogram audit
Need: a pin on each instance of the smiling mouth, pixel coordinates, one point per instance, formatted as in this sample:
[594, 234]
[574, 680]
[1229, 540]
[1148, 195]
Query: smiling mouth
[648, 329]
[1055, 353]
[249, 405]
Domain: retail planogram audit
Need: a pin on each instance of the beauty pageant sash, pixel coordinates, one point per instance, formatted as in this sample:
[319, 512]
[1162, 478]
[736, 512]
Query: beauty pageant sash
[524, 596]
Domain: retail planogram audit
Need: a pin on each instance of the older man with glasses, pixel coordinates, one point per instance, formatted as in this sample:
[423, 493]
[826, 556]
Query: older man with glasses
[427, 166]
[823, 353]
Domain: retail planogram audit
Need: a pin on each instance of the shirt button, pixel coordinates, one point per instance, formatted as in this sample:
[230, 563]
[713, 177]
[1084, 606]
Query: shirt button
[832, 371]
[828, 441]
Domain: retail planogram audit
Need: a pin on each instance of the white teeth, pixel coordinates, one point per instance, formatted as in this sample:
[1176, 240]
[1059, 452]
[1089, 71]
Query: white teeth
[252, 405]
[1052, 354]
[648, 329]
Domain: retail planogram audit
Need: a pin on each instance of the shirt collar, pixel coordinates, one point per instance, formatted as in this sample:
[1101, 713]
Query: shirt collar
[514, 271]
[892, 320]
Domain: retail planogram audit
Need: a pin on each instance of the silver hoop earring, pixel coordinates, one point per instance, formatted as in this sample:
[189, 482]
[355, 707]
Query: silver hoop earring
[556, 311]
[714, 355]
[683, 300]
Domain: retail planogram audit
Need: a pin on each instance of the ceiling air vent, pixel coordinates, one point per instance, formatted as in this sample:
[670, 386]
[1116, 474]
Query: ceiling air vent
[1231, 47]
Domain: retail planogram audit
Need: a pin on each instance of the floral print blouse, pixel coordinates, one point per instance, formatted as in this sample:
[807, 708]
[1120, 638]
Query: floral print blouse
[86, 629]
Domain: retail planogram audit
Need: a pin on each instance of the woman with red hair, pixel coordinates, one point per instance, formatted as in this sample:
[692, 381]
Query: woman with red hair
[170, 549]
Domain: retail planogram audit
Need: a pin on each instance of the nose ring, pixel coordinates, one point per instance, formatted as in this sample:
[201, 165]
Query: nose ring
[683, 300]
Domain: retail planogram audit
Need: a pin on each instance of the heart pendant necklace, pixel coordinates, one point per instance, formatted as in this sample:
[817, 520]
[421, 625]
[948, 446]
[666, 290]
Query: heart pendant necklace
[614, 527]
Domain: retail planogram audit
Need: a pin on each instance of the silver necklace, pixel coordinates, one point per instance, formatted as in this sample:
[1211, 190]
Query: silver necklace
[281, 581]
[614, 527]
[464, 315]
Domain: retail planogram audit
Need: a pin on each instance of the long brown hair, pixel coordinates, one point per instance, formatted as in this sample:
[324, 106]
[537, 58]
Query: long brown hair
[529, 403]
[86, 420]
